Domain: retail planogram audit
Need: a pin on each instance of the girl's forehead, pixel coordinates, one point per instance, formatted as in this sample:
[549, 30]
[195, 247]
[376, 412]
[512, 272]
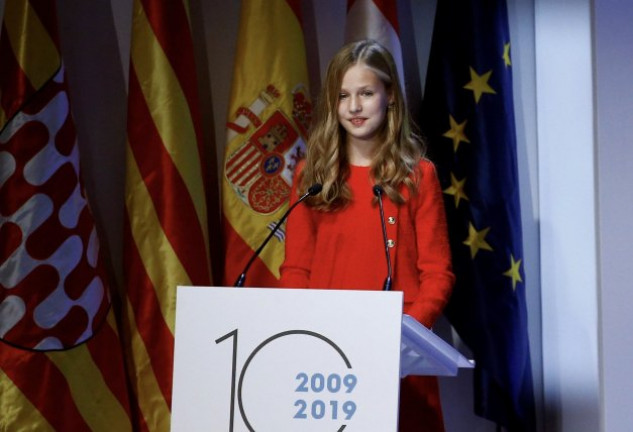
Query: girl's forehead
[359, 73]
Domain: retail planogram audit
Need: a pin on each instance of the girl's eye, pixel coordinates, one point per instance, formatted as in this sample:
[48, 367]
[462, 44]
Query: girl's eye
[368, 93]
[342, 95]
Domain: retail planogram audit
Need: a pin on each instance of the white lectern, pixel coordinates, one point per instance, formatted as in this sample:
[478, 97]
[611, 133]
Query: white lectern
[261, 359]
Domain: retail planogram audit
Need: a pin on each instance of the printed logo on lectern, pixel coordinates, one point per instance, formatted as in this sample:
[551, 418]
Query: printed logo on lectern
[283, 384]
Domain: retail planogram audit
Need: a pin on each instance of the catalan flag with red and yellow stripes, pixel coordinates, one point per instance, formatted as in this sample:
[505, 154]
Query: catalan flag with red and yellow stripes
[166, 237]
[61, 364]
[268, 118]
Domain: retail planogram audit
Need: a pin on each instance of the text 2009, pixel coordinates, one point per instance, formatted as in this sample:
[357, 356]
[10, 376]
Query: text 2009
[325, 385]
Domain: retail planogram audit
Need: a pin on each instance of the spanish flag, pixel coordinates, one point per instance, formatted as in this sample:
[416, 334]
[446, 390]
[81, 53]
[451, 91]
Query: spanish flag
[61, 365]
[166, 241]
[268, 118]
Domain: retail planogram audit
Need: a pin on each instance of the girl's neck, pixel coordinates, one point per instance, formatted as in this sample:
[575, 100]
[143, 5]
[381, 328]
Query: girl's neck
[360, 153]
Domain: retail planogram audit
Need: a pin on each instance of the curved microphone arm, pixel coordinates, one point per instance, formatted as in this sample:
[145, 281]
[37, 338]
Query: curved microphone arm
[312, 190]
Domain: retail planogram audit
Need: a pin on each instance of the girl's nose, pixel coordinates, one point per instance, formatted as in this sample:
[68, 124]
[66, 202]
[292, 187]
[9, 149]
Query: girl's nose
[355, 105]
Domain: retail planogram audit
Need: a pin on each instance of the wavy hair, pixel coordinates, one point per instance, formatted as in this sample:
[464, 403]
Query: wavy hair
[399, 153]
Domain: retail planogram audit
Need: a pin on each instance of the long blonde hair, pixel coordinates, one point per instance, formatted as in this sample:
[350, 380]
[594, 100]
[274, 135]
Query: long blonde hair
[396, 159]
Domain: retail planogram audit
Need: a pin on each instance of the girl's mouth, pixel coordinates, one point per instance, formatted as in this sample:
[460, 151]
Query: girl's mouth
[357, 121]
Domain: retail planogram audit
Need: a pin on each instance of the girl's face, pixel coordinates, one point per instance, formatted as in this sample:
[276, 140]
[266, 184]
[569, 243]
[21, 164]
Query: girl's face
[362, 105]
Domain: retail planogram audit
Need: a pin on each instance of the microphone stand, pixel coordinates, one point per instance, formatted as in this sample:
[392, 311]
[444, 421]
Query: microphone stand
[378, 191]
[312, 190]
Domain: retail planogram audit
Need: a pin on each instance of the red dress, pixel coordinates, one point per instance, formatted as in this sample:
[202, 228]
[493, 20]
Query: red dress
[344, 249]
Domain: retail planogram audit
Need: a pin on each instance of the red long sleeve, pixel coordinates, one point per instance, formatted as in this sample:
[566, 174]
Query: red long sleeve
[345, 250]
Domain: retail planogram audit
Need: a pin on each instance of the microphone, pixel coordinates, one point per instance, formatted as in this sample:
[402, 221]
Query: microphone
[378, 191]
[312, 190]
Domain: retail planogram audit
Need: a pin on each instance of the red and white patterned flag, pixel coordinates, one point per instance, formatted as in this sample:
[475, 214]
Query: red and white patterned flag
[61, 365]
[52, 289]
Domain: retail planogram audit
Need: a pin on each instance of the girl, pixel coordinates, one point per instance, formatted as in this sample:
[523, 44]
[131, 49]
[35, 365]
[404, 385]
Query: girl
[361, 137]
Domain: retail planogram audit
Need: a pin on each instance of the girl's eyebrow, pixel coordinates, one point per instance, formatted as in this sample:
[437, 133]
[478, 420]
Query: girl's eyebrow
[364, 87]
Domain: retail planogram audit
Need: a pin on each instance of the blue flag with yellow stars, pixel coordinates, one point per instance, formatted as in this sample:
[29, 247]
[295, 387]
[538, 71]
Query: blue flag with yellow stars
[468, 119]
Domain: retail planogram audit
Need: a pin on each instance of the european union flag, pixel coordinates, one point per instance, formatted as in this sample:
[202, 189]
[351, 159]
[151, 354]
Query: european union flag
[468, 118]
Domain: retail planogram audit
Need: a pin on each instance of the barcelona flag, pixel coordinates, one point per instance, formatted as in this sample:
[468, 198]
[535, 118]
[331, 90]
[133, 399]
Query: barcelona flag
[468, 118]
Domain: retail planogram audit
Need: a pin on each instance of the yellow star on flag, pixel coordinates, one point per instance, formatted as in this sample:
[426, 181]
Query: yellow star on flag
[506, 54]
[456, 189]
[513, 272]
[456, 132]
[476, 240]
[479, 84]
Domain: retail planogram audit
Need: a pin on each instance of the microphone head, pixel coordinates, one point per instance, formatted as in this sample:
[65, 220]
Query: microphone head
[378, 190]
[315, 189]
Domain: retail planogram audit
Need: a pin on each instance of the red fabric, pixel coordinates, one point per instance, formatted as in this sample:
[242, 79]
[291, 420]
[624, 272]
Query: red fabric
[345, 250]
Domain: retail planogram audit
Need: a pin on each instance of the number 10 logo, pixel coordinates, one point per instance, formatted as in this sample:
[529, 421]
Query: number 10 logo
[317, 396]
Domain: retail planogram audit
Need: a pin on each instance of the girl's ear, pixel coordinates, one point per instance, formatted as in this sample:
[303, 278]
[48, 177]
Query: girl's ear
[391, 100]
